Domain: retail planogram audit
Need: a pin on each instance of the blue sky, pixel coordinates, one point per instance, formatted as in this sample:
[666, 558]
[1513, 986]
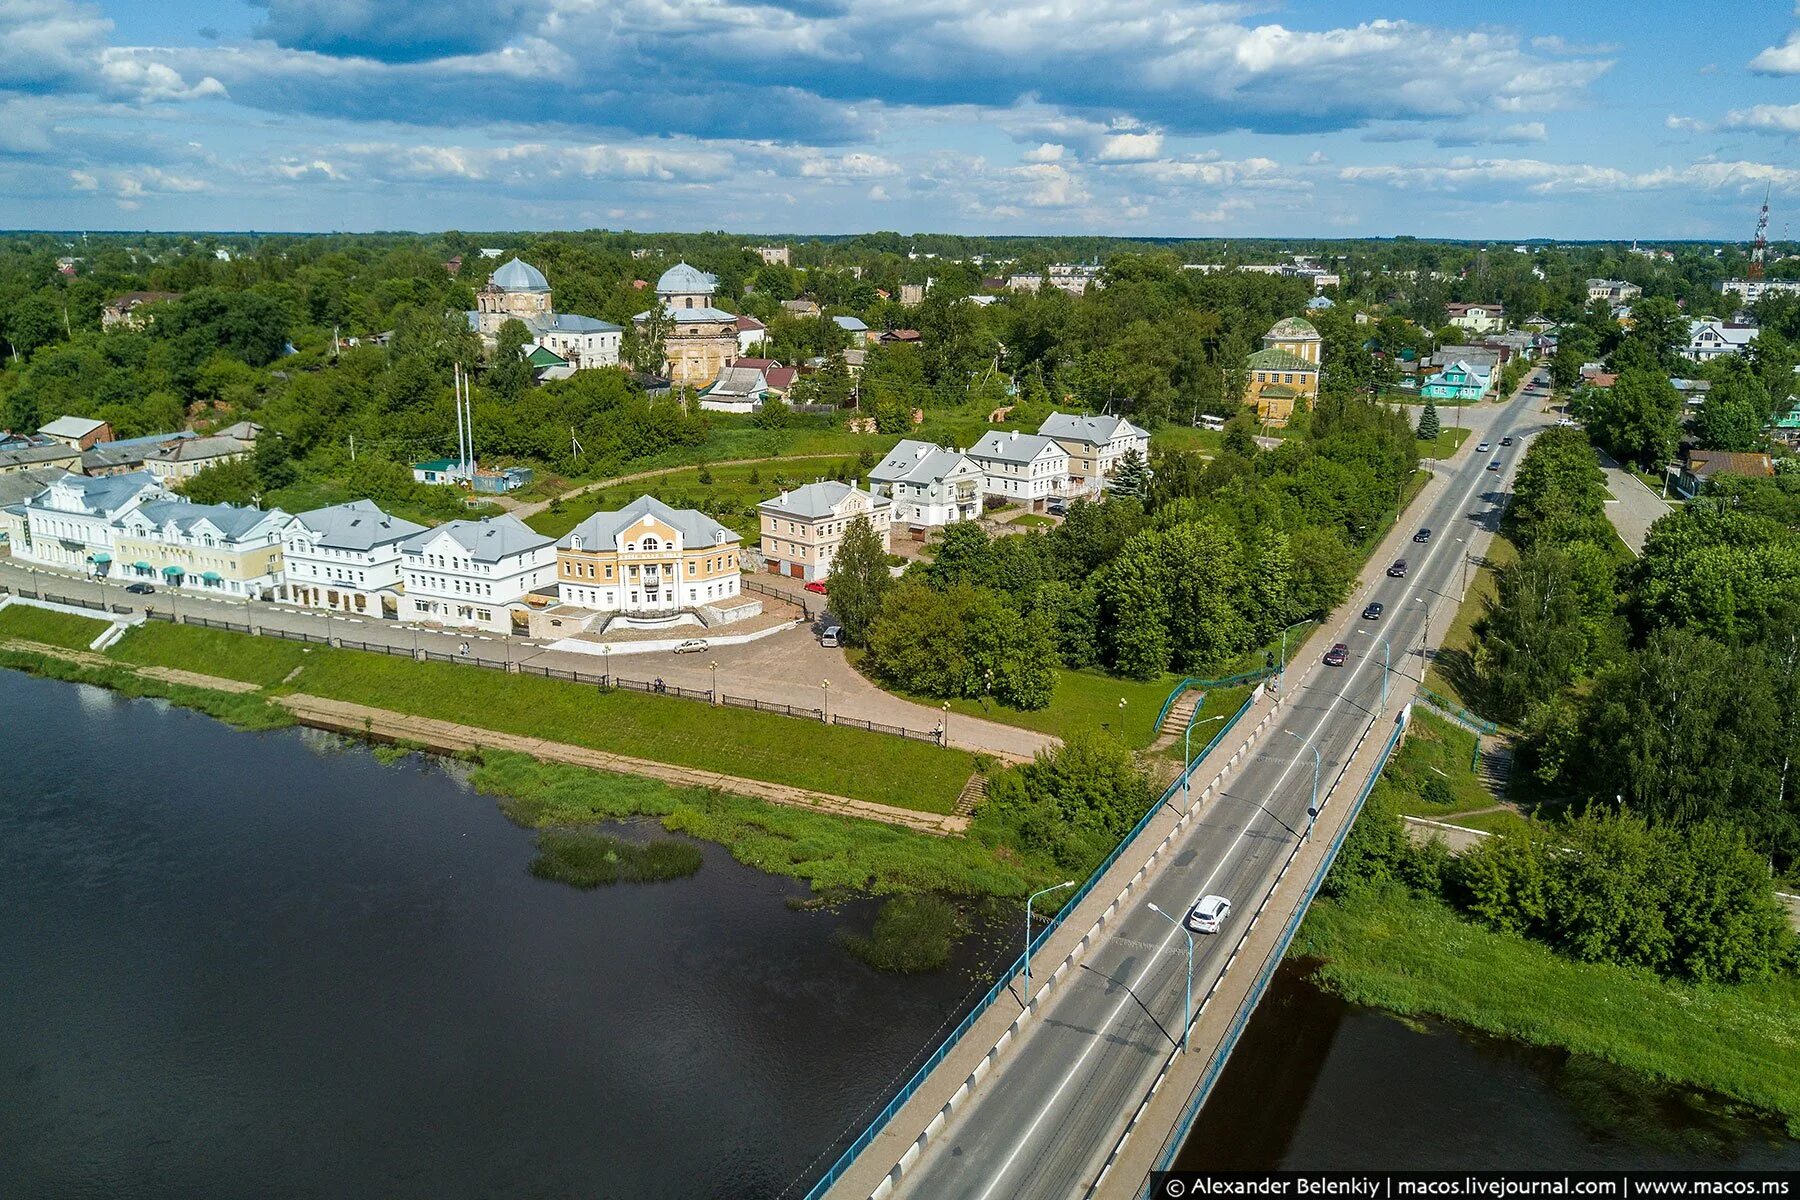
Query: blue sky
[1157, 117]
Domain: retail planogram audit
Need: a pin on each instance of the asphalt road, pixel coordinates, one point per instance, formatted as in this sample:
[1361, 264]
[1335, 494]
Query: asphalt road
[1044, 1120]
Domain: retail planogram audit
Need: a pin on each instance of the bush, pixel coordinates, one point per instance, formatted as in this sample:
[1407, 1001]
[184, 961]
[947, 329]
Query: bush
[583, 859]
[912, 934]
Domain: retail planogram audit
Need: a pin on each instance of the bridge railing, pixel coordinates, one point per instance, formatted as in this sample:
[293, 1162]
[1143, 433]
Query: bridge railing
[1458, 713]
[1193, 681]
[868, 1135]
[1178, 1136]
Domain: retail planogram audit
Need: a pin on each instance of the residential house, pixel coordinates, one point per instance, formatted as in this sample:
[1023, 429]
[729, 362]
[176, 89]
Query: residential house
[751, 333]
[1477, 318]
[648, 558]
[128, 454]
[1459, 381]
[858, 330]
[80, 433]
[1709, 337]
[132, 310]
[1285, 372]
[1026, 469]
[439, 472]
[1095, 446]
[346, 558]
[913, 294]
[1749, 291]
[738, 389]
[475, 574]
[1703, 465]
[18, 488]
[800, 308]
[802, 528]
[1517, 344]
[38, 456]
[779, 381]
[899, 337]
[243, 431]
[188, 457]
[518, 291]
[1320, 304]
[1613, 291]
[1785, 428]
[1486, 359]
[699, 339]
[229, 549]
[775, 256]
[927, 484]
[72, 523]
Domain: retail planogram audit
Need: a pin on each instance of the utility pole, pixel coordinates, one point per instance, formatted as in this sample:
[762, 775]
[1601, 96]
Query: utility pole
[353, 447]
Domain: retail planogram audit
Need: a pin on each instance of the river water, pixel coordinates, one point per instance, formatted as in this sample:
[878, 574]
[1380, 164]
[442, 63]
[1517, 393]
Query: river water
[267, 965]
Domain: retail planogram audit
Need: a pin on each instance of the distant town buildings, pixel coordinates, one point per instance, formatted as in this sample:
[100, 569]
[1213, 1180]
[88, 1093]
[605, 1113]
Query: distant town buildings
[699, 340]
[1709, 337]
[1613, 291]
[518, 291]
[1477, 318]
[1749, 291]
[186, 457]
[775, 256]
[133, 310]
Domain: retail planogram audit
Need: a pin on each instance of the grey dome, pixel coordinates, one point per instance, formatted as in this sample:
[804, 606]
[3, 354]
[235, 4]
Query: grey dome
[517, 276]
[682, 279]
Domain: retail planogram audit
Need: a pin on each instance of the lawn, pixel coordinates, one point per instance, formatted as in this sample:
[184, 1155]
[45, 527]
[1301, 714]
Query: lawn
[1430, 774]
[734, 741]
[1033, 521]
[731, 497]
[1447, 442]
[1186, 437]
[49, 626]
[1459, 640]
[1086, 699]
[1418, 957]
[262, 661]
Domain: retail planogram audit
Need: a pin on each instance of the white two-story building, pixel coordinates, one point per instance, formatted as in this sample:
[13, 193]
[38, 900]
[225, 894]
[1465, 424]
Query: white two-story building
[928, 485]
[1095, 446]
[346, 558]
[73, 523]
[476, 574]
[1023, 468]
[1709, 337]
[802, 529]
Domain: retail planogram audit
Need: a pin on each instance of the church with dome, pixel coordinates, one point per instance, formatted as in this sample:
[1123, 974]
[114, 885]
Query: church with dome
[699, 339]
[518, 291]
[1285, 372]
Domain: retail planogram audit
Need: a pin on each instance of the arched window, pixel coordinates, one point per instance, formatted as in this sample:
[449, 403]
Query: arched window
[650, 543]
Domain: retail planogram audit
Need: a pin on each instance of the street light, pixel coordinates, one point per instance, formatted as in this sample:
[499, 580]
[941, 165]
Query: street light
[606, 662]
[714, 665]
[1312, 810]
[1386, 658]
[1067, 883]
[825, 690]
[1188, 1013]
[1187, 759]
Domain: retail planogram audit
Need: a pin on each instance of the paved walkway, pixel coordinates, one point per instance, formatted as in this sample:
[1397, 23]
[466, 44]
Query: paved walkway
[362, 720]
[89, 658]
[1634, 507]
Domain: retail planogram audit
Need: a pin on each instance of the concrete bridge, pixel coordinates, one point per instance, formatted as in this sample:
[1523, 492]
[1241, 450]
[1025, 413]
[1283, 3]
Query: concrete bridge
[1080, 1087]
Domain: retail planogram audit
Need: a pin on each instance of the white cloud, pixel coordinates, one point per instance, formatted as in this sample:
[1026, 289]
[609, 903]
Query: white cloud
[129, 74]
[1045, 152]
[1129, 147]
[1536, 177]
[1781, 119]
[1684, 124]
[83, 181]
[879, 194]
[1779, 60]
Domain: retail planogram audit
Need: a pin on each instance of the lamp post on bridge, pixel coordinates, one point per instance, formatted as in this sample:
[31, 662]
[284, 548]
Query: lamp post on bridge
[1187, 1021]
[1056, 887]
[1187, 759]
[1312, 810]
[1386, 661]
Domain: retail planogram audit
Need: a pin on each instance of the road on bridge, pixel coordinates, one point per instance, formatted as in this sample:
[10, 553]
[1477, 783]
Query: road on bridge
[1043, 1121]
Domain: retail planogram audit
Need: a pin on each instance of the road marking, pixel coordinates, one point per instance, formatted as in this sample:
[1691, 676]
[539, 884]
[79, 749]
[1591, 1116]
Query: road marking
[1094, 1042]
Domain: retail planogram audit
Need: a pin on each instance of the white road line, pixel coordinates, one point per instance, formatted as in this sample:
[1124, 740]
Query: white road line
[1154, 961]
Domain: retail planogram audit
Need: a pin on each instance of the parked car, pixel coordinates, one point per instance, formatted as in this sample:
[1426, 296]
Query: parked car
[140, 589]
[1484, 447]
[1494, 466]
[1398, 570]
[1057, 508]
[1373, 611]
[1423, 536]
[1208, 914]
[1336, 656]
[691, 646]
[831, 635]
[817, 587]
[1507, 440]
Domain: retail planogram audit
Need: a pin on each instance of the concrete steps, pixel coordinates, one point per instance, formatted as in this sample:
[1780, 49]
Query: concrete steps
[973, 793]
[1181, 712]
[1494, 767]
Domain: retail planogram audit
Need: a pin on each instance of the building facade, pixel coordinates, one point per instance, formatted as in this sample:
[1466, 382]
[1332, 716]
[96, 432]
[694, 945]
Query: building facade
[346, 558]
[648, 558]
[73, 524]
[1023, 468]
[228, 549]
[79, 433]
[1095, 446]
[1285, 372]
[1458, 381]
[1477, 318]
[1709, 338]
[802, 529]
[186, 458]
[475, 574]
[518, 291]
[928, 485]
[699, 339]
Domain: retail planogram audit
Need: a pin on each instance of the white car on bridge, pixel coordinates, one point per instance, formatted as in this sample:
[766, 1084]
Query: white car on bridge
[1208, 914]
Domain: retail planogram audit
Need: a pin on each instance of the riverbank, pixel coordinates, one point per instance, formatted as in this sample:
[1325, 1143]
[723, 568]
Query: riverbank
[1391, 950]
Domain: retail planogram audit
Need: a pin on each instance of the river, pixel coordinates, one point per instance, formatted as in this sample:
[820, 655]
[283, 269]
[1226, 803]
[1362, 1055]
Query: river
[268, 965]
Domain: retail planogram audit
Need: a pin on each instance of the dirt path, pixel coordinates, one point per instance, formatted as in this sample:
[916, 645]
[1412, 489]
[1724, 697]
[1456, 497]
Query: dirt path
[89, 658]
[344, 717]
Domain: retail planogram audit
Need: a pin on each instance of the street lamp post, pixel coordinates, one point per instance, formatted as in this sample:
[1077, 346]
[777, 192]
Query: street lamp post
[715, 683]
[1386, 661]
[1187, 759]
[606, 662]
[1312, 810]
[1067, 883]
[825, 690]
[944, 725]
[1187, 1022]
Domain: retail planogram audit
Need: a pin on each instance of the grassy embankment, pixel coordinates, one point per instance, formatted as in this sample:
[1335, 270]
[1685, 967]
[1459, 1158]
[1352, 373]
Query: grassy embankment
[731, 497]
[1431, 775]
[50, 627]
[1448, 441]
[1450, 661]
[262, 661]
[1418, 957]
[585, 859]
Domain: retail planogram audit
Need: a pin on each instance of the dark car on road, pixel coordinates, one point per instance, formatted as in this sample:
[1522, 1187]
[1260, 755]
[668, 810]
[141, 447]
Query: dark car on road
[1507, 440]
[1373, 611]
[1423, 536]
[1335, 656]
[1494, 466]
[140, 589]
[1398, 570]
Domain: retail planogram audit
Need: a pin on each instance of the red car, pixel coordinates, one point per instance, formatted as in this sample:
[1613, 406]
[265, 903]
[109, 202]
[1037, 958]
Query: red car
[816, 586]
[1335, 656]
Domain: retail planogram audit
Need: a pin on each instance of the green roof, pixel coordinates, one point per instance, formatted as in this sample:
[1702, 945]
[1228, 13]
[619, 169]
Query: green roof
[141, 565]
[1278, 391]
[543, 356]
[436, 464]
[211, 576]
[1278, 360]
[102, 557]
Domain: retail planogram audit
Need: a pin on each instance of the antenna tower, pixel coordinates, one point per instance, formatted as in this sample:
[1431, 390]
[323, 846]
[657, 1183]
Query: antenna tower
[1759, 249]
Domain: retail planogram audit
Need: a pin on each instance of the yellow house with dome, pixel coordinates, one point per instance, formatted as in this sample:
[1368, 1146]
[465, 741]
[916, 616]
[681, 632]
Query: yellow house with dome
[1285, 371]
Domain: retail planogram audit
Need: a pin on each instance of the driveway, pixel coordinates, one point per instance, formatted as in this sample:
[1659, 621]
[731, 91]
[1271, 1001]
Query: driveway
[1634, 508]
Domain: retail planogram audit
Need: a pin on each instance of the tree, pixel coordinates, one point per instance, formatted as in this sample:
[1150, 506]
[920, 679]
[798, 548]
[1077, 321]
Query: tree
[859, 580]
[644, 341]
[1428, 422]
[1637, 417]
[1735, 409]
[1072, 804]
[232, 482]
[1131, 477]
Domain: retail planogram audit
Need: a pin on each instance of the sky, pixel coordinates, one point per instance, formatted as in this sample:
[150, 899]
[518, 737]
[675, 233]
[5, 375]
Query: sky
[1164, 118]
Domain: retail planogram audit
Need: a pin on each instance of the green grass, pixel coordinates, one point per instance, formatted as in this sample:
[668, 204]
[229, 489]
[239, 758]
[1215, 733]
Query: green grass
[1417, 957]
[1086, 699]
[306, 494]
[50, 627]
[1503, 821]
[1033, 521]
[912, 934]
[244, 711]
[585, 859]
[827, 851]
[731, 497]
[1188, 438]
[1219, 702]
[262, 661]
[1447, 442]
[734, 741]
[1430, 772]
[1459, 639]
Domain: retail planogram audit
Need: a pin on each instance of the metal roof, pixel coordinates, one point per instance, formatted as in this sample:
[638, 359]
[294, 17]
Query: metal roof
[601, 531]
[358, 525]
[1014, 447]
[488, 540]
[519, 276]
